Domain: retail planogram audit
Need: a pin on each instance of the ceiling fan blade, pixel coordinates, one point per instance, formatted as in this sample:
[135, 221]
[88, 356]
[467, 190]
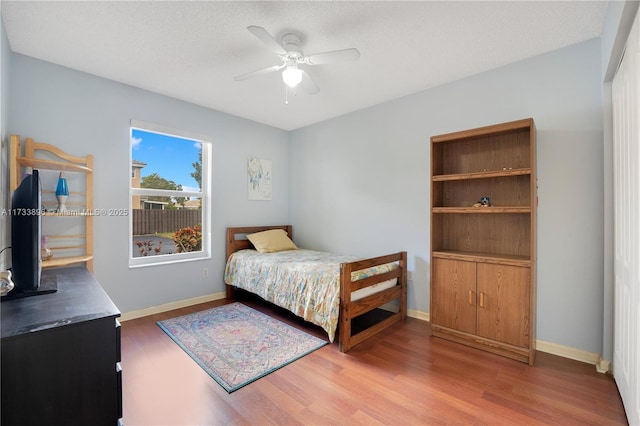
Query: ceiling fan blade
[266, 38]
[259, 72]
[307, 84]
[336, 56]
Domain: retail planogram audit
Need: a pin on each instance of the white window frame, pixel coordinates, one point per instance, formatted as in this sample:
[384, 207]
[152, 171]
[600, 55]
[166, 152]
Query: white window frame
[205, 196]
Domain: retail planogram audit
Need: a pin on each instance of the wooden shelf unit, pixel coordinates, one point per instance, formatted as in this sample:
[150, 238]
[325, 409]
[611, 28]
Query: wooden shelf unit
[483, 258]
[68, 249]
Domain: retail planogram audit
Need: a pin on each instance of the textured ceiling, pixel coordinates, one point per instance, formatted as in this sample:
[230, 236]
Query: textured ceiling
[192, 50]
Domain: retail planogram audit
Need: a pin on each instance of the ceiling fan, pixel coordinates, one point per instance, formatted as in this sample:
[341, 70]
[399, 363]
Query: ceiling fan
[292, 57]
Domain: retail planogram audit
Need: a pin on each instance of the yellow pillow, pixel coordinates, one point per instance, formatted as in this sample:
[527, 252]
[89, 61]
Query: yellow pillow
[271, 241]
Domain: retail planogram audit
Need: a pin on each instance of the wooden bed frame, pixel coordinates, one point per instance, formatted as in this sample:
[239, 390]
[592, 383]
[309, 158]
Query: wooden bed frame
[349, 309]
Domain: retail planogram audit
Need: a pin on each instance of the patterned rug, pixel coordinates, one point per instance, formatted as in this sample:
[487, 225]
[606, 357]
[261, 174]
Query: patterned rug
[237, 345]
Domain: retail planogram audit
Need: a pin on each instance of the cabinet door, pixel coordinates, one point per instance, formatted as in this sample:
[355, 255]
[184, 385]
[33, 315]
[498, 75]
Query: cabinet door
[453, 303]
[503, 303]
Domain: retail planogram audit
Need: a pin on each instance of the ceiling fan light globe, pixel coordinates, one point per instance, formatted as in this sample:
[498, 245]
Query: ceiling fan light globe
[292, 76]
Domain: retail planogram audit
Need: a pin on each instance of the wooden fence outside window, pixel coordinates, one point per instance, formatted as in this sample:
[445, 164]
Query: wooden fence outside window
[150, 221]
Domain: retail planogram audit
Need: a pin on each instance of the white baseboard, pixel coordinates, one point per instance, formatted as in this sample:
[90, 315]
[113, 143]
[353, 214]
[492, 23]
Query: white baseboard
[413, 313]
[602, 366]
[568, 352]
[170, 306]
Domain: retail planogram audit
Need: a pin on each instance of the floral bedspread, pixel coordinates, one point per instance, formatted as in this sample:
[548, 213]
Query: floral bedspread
[305, 282]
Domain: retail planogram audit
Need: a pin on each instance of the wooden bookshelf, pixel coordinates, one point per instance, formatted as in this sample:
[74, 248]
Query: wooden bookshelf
[483, 256]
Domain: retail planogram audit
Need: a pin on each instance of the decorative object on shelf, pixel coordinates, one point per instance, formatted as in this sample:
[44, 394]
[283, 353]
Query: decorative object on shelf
[62, 192]
[484, 202]
[45, 252]
[6, 285]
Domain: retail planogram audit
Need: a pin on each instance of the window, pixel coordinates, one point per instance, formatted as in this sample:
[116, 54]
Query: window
[169, 195]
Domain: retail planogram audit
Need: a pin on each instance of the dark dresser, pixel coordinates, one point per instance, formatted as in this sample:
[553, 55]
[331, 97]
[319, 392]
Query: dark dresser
[60, 355]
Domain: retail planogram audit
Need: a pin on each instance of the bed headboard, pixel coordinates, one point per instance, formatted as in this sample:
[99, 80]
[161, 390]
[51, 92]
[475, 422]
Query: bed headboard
[236, 237]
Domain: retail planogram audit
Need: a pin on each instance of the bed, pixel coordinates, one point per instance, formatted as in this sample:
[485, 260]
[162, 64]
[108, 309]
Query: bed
[351, 288]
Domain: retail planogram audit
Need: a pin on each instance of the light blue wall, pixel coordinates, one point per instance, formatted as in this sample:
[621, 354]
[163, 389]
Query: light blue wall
[360, 182]
[82, 114]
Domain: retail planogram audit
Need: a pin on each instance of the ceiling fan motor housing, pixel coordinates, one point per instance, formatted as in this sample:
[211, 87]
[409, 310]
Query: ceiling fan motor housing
[291, 43]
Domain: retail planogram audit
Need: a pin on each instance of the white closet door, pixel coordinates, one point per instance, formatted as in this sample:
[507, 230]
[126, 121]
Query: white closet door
[626, 141]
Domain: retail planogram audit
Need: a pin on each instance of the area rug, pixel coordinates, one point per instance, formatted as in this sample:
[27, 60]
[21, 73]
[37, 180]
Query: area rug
[237, 345]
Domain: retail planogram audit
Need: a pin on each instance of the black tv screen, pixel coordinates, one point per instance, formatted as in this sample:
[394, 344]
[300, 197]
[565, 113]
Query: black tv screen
[26, 263]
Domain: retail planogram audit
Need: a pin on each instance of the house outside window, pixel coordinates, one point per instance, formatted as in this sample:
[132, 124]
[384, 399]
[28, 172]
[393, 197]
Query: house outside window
[169, 195]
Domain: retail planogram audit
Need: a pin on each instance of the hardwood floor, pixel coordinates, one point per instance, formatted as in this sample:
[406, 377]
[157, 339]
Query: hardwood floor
[402, 376]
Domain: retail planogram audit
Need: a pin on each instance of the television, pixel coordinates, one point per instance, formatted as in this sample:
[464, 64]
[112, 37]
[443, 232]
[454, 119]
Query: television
[26, 223]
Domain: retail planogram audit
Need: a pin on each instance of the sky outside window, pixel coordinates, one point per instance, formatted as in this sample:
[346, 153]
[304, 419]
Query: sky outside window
[170, 157]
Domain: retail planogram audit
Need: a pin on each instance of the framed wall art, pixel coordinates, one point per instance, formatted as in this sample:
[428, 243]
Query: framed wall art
[259, 179]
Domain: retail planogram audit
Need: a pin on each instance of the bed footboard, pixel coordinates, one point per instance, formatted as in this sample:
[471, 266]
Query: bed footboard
[350, 309]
